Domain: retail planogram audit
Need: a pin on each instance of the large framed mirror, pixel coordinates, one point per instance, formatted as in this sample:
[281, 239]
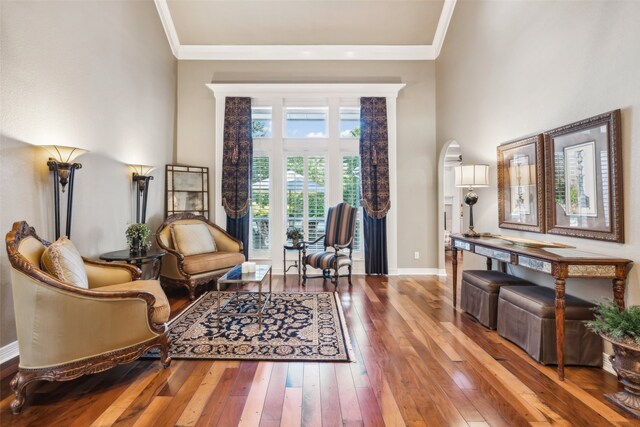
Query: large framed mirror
[187, 190]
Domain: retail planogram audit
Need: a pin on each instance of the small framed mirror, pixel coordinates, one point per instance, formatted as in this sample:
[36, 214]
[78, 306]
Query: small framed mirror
[187, 190]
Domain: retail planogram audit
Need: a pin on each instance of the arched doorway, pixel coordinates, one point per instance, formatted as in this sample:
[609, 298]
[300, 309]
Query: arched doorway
[449, 198]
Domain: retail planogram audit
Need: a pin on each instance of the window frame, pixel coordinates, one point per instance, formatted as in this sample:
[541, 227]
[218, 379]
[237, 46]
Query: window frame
[279, 95]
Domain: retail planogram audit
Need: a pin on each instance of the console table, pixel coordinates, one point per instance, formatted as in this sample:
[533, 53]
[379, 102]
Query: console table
[561, 263]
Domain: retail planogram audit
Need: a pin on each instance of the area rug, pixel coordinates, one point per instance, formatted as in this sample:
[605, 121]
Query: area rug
[295, 327]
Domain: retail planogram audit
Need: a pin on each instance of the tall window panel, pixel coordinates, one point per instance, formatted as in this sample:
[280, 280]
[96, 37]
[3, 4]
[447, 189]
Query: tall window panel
[260, 186]
[306, 199]
[351, 191]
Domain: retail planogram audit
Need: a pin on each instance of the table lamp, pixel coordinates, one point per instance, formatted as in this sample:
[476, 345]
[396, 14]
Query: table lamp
[471, 176]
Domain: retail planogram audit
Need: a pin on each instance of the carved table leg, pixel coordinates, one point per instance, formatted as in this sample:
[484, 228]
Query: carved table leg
[155, 269]
[618, 291]
[489, 264]
[560, 307]
[454, 273]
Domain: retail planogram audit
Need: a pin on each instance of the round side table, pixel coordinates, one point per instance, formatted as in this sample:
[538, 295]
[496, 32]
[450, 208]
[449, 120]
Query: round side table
[295, 263]
[149, 256]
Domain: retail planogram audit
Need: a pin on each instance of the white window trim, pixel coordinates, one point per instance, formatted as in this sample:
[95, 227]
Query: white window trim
[303, 91]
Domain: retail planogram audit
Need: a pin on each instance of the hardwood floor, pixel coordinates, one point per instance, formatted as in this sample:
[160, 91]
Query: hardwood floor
[419, 363]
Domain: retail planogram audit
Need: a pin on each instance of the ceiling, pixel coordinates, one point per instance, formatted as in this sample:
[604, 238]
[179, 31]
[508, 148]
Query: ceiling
[305, 29]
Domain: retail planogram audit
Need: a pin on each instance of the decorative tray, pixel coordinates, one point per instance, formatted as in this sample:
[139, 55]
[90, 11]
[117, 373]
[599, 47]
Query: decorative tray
[531, 243]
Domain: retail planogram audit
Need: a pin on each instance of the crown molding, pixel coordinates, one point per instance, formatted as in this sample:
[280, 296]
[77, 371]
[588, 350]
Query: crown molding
[306, 52]
[306, 90]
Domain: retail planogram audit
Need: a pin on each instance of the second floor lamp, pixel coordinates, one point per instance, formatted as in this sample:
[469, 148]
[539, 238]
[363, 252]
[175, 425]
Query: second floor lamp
[471, 176]
[141, 177]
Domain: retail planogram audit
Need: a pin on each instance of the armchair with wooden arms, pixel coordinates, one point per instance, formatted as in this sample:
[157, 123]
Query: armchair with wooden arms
[198, 251]
[66, 331]
[339, 236]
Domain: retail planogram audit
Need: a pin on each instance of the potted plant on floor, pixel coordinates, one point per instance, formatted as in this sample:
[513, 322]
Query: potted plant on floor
[621, 327]
[137, 235]
[295, 234]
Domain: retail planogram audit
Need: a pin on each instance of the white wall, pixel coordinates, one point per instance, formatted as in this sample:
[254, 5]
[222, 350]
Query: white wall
[96, 75]
[510, 69]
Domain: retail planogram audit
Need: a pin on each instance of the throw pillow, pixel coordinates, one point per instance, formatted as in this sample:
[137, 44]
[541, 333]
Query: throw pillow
[63, 261]
[192, 239]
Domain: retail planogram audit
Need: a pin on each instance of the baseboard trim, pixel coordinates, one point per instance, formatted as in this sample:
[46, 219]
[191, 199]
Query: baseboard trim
[606, 364]
[9, 351]
[421, 272]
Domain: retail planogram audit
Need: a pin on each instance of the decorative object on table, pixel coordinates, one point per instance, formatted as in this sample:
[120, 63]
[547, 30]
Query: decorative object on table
[295, 234]
[521, 184]
[584, 179]
[248, 267]
[470, 177]
[339, 236]
[79, 331]
[528, 243]
[183, 266]
[187, 190]
[621, 327]
[141, 177]
[296, 327]
[61, 163]
[137, 238]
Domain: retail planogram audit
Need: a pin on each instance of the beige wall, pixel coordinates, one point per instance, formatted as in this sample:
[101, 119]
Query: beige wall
[510, 69]
[417, 219]
[96, 75]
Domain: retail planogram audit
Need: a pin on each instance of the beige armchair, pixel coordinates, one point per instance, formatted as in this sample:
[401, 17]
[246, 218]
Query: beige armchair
[66, 331]
[195, 259]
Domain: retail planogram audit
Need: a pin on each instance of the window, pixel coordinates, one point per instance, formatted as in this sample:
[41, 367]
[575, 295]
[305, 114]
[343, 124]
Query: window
[261, 122]
[306, 207]
[311, 130]
[351, 191]
[349, 122]
[306, 122]
[260, 186]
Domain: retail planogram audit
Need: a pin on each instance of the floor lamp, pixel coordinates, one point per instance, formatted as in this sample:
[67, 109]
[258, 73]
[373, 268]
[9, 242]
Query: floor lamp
[471, 176]
[141, 177]
[61, 163]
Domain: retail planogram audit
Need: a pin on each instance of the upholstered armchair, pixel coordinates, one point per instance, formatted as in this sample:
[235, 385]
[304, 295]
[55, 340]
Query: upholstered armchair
[198, 251]
[97, 316]
[338, 246]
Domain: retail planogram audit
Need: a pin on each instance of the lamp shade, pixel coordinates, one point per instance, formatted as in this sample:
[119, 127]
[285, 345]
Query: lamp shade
[472, 176]
[63, 154]
[141, 169]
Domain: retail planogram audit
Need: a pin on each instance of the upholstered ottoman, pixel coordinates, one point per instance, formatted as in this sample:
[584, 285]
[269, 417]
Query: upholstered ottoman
[479, 293]
[527, 317]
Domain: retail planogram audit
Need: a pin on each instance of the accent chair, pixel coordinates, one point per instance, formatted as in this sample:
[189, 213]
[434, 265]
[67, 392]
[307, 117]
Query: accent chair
[198, 251]
[338, 246]
[76, 316]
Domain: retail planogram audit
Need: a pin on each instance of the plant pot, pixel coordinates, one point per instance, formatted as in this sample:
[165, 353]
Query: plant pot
[135, 247]
[626, 363]
[295, 242]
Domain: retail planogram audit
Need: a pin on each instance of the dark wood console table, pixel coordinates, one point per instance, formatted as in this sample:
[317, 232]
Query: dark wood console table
[561, 263]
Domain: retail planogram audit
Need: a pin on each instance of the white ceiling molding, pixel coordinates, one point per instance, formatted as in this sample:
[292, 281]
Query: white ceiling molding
[169, 27]
[306, 90]
[306, 52]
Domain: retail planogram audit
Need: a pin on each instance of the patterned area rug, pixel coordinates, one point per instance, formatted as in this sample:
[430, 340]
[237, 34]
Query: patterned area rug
[295, 326]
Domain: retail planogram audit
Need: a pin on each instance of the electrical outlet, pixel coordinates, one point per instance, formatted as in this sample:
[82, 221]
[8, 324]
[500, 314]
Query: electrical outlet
[416, 255]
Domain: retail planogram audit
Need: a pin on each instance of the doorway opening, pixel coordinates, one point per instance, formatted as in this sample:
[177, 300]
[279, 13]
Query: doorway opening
[450, 201]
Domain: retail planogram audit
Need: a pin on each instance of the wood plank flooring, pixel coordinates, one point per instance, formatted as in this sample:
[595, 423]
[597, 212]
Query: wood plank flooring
[419, 363]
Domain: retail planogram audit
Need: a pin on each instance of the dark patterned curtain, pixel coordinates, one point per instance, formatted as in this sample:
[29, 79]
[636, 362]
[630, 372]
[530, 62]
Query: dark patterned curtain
[374, 159]
[236, 168]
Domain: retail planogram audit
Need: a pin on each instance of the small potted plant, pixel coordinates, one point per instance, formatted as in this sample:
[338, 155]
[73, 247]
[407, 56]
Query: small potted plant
[295, 234]
[137, 235]
[621, 327]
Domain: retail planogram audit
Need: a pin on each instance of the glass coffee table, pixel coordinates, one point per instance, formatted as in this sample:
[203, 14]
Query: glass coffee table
[236, 277]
